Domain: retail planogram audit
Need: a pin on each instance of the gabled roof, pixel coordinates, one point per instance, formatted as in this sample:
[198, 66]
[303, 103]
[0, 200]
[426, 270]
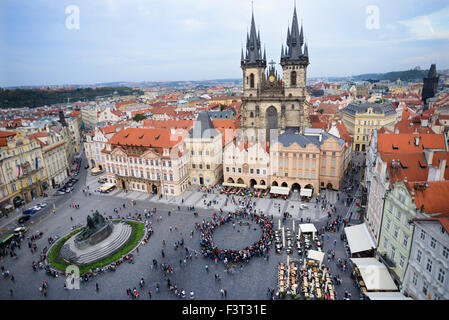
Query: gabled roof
[203, 127]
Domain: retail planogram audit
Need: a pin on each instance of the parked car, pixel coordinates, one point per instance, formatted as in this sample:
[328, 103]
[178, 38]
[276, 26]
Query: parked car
[68, 190]
[18, 202]
[86, 166]
[22, 219]
[30, 211]
[42, 204]
[36, 207]
[102, 180]
[19, 230]
[62, 191]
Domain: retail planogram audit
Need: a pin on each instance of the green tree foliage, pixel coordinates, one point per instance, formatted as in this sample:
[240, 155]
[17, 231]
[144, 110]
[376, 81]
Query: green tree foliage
[32, 98]
[139, 117]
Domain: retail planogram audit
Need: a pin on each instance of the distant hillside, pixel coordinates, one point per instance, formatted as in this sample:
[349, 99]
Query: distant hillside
[20, 98]
[393, 76]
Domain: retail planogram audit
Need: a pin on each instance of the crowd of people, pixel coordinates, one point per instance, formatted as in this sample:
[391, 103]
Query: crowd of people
[259, 248]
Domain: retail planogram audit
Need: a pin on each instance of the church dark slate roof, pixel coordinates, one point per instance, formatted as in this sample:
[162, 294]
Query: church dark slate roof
[203, 127]
[378, 108]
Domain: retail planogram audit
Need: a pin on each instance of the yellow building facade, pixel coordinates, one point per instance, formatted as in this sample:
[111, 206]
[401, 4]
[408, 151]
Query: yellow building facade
[23, 168]
[361, 119]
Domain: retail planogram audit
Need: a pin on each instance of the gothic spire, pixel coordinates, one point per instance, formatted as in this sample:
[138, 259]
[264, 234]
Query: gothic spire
[295, 41]
[253, 45]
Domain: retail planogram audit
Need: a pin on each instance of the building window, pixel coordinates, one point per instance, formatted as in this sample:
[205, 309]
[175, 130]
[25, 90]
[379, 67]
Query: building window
[401, 261]
[227, 169]
[293, 78]
[445, 252]
[251, 80]
[396, 231]
[429, 265]
[418, 255]
[441, 275]
[424, 288]
[193, 166]
[405, 241]
[392, 253]
[423, 235]
[415, 278]
[387, 226]
[433, 243]
[207, 166]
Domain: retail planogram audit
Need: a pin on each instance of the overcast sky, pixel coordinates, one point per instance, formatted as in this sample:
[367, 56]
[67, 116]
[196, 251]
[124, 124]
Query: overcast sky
[163, 40]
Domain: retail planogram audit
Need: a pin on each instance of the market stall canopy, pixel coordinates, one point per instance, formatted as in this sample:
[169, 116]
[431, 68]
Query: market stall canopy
[386, 296]
[359, 238]
[260, 186]
[107, 186]
[280, 190]
[307, 227]
[228, 184]
[95, 170]
[306, 192]
[375, 274]
[239, 185]
[316, 255]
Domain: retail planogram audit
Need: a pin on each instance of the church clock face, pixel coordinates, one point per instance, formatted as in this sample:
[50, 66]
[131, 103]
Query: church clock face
[271, 78]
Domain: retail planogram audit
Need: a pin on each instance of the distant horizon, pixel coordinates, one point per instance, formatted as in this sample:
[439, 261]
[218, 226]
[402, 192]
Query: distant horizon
[202, 80]
[52, 43]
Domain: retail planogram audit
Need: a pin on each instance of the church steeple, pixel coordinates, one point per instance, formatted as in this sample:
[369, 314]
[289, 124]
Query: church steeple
[295, 42]
[253, 55]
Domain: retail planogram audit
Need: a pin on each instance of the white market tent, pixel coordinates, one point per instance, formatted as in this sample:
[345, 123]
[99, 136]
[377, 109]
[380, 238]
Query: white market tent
[316, 255]
[386, 296]
[359, 238]
[375, 274]
[280, 190]
[307, 228]
[305, 192]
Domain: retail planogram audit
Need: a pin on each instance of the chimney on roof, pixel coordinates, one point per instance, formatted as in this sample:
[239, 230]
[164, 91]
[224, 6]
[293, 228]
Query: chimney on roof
[429, 157]
[417, 141]
[442, 169]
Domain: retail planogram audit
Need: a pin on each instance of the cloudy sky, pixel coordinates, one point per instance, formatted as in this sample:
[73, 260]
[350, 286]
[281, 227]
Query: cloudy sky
[42, 43]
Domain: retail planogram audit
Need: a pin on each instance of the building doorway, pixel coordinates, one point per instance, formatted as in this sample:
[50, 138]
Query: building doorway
[272, 121]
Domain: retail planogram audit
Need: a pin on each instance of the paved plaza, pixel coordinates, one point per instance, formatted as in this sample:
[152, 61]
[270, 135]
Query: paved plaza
[248, 282]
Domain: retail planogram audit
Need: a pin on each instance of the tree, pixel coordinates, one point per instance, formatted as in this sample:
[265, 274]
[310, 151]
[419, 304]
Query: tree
[320, 111]
[139, 117]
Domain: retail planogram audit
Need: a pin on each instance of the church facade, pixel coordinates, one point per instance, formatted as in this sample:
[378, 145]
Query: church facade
[271, 104]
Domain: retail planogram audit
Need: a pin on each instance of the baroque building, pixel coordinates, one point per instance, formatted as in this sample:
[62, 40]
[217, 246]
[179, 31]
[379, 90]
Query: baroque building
[271, 104]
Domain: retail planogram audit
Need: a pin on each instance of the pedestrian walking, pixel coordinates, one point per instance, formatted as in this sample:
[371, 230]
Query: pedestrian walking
[149, 293]
[97, 287]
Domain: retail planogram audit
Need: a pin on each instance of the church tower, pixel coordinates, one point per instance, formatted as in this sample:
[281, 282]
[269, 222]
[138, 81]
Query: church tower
[252, 64]
[271, 105]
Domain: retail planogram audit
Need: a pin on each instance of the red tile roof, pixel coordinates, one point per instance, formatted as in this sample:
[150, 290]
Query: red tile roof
[405, 143]
[4, 135]
[432, 199]
[443, 219]
[145, 138]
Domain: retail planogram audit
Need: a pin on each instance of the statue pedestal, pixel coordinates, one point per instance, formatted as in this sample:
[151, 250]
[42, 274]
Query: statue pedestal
[95, 238]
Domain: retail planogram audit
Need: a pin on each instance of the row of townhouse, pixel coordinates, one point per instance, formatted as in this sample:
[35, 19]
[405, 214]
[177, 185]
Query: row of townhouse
[407, 178]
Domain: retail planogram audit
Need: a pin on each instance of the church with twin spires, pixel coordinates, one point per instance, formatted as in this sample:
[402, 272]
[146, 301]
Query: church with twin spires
[271, 103]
